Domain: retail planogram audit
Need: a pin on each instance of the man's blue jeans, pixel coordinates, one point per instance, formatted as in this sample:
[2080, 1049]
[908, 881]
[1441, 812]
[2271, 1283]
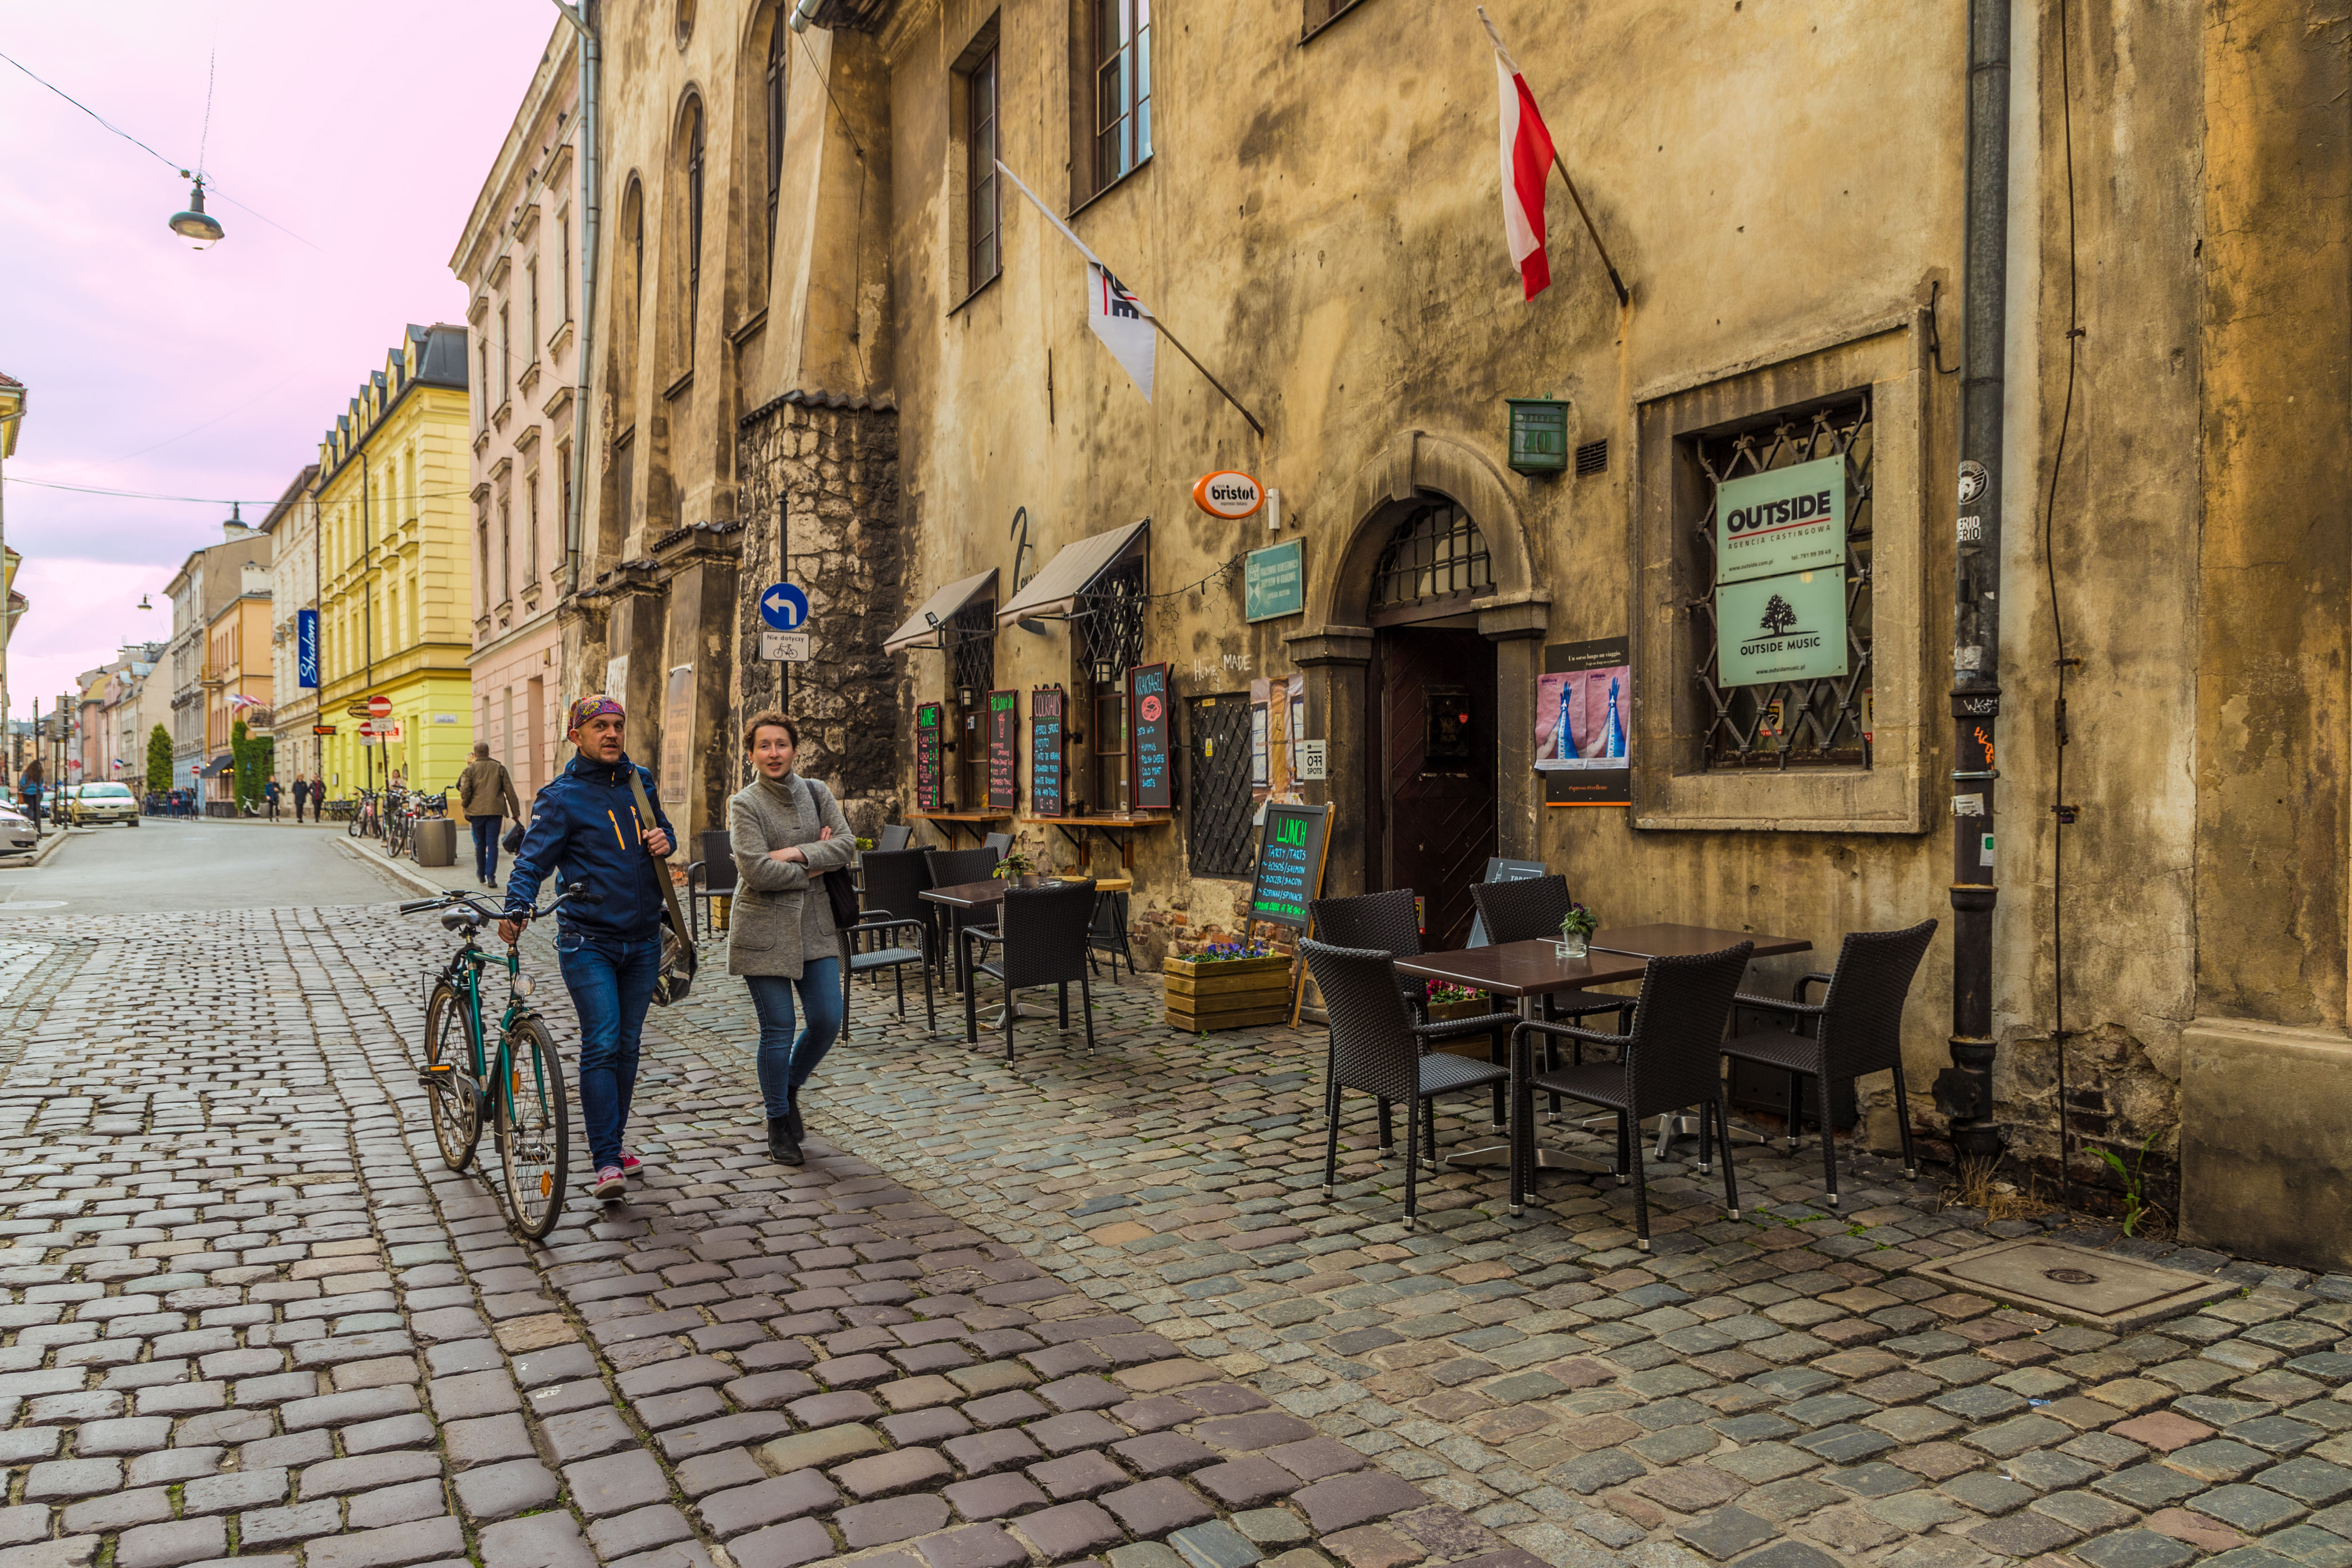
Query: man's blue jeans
[785, 1062]
[612, 985]
[486, 844]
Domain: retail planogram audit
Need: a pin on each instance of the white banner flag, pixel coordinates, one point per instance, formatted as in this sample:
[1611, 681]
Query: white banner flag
[1122, 321]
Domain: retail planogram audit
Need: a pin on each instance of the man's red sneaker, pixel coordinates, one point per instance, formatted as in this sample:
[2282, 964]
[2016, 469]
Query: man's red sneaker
[609, 1184]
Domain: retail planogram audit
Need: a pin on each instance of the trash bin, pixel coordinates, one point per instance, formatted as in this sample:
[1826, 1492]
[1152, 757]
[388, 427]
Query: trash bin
[436, 841]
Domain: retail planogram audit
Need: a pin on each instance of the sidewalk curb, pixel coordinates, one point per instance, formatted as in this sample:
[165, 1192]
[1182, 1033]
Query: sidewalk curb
[47, 847]
[423, 887]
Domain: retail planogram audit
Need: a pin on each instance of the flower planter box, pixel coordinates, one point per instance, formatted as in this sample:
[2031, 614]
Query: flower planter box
[1227, 992]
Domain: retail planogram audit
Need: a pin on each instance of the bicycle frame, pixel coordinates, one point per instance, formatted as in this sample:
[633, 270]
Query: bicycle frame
[464, 973]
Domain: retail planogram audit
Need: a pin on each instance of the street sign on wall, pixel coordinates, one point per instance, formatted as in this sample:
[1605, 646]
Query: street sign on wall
[1274, 581]
[784, 648]
[305, 649]
[1786, 520]
[783, 607]
[1780, 629]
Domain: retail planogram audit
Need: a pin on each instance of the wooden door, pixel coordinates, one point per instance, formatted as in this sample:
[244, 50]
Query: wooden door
[1433, 784]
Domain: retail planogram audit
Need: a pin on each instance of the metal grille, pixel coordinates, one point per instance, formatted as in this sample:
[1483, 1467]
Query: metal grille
[1218, 816]
[1593, 458]
[1822, 722]
[1435, 551]
[972, 645]
[1109, 619]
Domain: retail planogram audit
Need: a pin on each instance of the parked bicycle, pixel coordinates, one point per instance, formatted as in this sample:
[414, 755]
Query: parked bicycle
[367, 819]
[518, 1083]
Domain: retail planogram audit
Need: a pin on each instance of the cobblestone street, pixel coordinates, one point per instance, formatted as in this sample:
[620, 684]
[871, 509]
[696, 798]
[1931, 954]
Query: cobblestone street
[1090, 1308]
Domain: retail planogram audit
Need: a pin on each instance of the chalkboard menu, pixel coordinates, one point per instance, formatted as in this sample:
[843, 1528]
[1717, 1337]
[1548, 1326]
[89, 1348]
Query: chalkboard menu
[1047, 737]
[1003, 749]
[1291, 848]
[1152, 777]
[930, 721]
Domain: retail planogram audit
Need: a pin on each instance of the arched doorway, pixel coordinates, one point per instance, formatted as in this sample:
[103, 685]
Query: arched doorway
[1431, 796]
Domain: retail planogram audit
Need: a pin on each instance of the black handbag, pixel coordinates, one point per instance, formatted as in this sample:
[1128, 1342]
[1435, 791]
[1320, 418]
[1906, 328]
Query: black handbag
[678, 959]
[839, 890]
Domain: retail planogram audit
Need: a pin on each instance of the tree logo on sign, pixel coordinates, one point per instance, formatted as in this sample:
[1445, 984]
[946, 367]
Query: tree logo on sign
[1777, 617]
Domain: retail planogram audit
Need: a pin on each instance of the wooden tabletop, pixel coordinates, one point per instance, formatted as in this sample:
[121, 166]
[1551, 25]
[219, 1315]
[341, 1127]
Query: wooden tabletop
[1522, 969]
[978, 895]
[961, 815]
[1104, 819]
[1676, 942]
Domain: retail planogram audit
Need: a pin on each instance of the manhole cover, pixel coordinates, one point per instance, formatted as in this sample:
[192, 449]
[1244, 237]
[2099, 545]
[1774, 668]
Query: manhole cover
[2097, 1289]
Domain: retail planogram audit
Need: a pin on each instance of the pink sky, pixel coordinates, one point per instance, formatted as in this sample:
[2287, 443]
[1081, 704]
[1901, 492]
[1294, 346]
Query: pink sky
[367, 129]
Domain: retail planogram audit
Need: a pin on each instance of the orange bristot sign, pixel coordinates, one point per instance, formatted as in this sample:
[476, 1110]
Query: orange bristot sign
[1228, 494]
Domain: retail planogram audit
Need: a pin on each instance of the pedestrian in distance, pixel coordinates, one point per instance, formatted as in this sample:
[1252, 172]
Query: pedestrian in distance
[485, 794]
[269, 798]
[609, 943]
[301, 796]
[28, 786]
[786, 833]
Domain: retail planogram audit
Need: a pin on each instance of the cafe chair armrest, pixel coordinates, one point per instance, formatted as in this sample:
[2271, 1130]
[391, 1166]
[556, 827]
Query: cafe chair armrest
[889, 922]
[1570, 1031]
[1818, 976]
[1448, 1028]
[1774, 1005]
[990, 934]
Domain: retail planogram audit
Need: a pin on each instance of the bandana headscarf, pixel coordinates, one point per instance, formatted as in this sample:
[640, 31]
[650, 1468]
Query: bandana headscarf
[588, 708]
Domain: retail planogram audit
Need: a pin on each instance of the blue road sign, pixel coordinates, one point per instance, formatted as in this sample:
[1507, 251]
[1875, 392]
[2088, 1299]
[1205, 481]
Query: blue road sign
[783, 607]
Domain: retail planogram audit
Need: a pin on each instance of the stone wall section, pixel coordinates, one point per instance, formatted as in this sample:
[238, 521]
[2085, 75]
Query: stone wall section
[831, 464]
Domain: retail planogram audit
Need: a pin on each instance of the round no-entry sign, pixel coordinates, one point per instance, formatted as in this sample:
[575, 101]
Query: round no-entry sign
[379, 707]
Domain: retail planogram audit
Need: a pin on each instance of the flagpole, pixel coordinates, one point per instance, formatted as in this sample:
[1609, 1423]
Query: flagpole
[1212, 379]
[1614, 282]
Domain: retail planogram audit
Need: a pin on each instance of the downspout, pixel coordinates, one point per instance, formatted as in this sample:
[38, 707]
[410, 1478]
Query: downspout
[591, 63]
[1964, 1091]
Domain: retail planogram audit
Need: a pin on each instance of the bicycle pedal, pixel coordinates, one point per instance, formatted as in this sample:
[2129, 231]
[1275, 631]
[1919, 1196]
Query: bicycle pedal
[441, 1073]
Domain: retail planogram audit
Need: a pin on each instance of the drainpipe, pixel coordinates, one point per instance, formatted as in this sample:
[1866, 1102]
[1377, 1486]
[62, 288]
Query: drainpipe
[1964, 1091]
[590, 64]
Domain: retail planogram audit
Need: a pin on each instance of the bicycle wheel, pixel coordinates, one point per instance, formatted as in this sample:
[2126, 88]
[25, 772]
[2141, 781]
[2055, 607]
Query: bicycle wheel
[452, 1097]
[534, 1129]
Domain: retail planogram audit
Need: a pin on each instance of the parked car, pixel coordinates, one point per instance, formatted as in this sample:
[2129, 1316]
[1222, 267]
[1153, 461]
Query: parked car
[95, 804]
[18, 833]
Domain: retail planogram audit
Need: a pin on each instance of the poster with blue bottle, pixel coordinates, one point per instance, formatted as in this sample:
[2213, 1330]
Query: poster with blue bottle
[1584, 718]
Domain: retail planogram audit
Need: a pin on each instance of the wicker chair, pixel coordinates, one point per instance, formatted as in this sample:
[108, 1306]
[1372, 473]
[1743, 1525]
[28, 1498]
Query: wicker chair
[1373, 922]
[710, 878]
[953, 869]
[895, 880]
[1858, 1029]
[997, 844]
[1530, 910]
[1377, 1049]
[1043, 937]
[895, 835]
[1671, 1060]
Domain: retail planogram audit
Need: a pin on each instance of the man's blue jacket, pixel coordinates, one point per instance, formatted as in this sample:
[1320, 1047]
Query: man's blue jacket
[586, 822]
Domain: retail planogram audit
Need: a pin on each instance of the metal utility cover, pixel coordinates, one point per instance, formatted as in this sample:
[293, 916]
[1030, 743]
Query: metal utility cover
[2096, 1289]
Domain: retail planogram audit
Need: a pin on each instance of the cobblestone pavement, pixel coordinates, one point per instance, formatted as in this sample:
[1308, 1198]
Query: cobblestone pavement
[252, 1318]
[1774, 1391]
[1092, 1309]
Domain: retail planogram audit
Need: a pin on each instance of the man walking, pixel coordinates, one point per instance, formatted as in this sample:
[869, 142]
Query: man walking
[485, 794]
[301, 796]
[587, 821]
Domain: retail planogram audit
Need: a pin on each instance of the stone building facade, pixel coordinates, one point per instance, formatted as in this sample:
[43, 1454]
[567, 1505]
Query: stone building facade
[1307, 196]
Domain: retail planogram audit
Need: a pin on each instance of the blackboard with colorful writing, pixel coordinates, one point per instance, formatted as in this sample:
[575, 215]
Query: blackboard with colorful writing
[1003, 749]
[1152, 777]
[1291, 847]
[930, 721]
[1047, 737]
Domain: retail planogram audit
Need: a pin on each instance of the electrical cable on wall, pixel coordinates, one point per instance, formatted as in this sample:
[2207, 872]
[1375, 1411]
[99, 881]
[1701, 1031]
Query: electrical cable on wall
[2062, 812]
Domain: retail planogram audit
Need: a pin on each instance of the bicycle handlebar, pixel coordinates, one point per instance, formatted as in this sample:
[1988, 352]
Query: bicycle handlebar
[576, 892]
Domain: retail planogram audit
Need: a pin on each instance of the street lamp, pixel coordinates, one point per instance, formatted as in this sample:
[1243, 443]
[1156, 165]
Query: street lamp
[196, 225]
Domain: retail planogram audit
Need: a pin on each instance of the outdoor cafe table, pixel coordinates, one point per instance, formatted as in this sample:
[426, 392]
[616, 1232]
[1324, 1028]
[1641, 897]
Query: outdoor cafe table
[968, 903]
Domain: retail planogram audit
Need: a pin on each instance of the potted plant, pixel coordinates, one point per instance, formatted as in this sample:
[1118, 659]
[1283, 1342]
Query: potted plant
[1227, 986]
[1016, 869]
[1453, 1002]
[1576, 931]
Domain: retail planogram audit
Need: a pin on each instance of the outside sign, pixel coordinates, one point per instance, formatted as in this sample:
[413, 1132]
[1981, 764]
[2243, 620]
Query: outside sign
[305, 649]
[785, 607]
[1538, 435]
[930, 732]
[1151, 781]
[1780, 629]
[1291, 848]
[1228, 494]
[1046, 738]
[1788, 519]
[1314, 759]
[1274, 581]
[1003, 749]
[784, 648]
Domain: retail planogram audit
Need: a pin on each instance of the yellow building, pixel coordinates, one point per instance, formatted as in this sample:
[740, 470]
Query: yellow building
[395, 593]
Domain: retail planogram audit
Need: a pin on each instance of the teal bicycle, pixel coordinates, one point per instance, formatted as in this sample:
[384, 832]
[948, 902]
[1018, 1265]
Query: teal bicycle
[517, 1085]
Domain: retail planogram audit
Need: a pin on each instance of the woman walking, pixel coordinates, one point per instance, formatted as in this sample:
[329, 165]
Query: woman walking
[786, 833]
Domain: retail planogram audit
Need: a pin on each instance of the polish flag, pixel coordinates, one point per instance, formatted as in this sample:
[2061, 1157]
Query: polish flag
[1527, 165]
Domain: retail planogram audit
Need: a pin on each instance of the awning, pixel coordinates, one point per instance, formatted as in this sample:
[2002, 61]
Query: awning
[219, 766]
[1073, 571]
[921, 628]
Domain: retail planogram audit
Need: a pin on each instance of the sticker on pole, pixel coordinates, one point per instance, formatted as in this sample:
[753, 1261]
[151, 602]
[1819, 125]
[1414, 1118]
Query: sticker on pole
[1228, 494]
[784, 648]
[785, 607]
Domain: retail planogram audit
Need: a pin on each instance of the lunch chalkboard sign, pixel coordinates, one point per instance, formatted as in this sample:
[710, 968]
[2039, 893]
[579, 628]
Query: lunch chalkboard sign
[931, 722]
[1047, 738]
[1292, 846]
[1003, 749]
[1151, 729]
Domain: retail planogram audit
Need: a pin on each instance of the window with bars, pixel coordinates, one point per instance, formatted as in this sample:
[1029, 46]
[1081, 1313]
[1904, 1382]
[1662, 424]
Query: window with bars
[971, 640]
[1122, 88]
[1109, 633]
[1820, 722]
[1220, 807]
[1436, 556]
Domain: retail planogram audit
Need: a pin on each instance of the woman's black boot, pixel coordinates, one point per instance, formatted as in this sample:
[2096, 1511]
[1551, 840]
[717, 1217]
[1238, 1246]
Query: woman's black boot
[782, 1147]
[793, 1120]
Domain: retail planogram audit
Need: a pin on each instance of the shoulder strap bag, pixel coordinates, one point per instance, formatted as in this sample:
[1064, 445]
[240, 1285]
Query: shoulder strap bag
[678, 959]
[839, 890]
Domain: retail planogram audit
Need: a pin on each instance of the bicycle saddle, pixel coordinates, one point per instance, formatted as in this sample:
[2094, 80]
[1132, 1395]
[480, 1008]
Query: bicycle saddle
[463, 920]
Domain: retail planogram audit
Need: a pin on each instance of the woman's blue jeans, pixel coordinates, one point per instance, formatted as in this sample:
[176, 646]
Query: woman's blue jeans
[785, 1062]
[612, 985]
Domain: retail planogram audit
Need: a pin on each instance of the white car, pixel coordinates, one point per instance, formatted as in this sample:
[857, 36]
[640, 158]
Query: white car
[17, 833]
[94, 805]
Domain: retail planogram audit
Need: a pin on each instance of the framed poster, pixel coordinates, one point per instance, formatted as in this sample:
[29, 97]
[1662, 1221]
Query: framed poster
[1771, 629]
[1151, 730]
[1583, 722]
[1003, 749]
[1048, 739]
[677, 732]
[1781, 520]
[930, 733]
